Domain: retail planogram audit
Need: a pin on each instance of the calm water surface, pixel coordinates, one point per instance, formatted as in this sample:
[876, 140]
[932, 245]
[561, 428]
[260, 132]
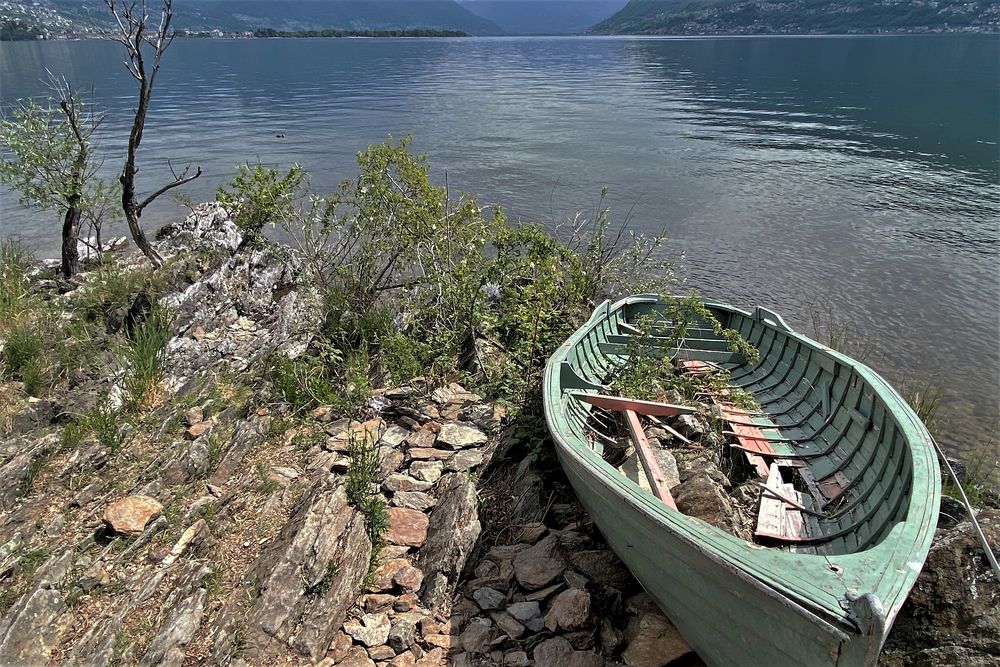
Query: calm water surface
[858, 173]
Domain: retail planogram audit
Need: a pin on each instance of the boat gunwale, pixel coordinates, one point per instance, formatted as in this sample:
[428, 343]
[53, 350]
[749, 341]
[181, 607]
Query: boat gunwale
[892, 557]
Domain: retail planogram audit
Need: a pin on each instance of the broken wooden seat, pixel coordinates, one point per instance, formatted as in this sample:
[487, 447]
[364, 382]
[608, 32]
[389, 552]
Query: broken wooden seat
[783, 510]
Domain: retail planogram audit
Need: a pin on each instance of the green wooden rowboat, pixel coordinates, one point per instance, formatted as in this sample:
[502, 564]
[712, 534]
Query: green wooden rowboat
[829, 576]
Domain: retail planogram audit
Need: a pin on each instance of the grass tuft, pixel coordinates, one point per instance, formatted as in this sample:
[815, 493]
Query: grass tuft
[362, 484]
[15, 260]
[143, 356]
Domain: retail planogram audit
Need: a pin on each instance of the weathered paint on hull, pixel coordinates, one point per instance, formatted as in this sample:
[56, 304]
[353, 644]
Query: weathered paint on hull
[729, 621]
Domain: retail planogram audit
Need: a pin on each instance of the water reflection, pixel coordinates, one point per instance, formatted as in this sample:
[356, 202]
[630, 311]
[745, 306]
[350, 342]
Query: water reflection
[862, 173]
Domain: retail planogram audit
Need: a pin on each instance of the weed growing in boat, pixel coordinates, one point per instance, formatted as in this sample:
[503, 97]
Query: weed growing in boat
[649, 371]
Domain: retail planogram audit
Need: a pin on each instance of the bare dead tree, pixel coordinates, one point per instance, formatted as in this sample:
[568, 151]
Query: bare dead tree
[135, 34]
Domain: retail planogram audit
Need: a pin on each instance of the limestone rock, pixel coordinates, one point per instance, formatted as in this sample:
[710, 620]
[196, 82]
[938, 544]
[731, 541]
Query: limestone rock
[510, 625]
[690, 426]
[601, 566]
[452, 532]
[956, 600]
[415, 500]
[668, 466]
[464, 460]
[381, 652]
[652, 641]
[539, 565]
[454, 394]
[307, 577]
[208, 227]
[408, 578]
[401, 635]
[370, 629]
[195, 431]
[356, 657]
[477, 636]
[397, 482]
[421, 439]
[426, 471]
[395, 435]
[457, 435]
[184, 609]
[703, 498]
[32, 628]
[130, 515]
[569, 610]
[553, 652]
[406, 527]
[383, 577]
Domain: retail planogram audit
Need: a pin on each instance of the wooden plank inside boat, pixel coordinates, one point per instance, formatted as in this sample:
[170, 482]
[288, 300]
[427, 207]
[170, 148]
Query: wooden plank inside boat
[657, 481]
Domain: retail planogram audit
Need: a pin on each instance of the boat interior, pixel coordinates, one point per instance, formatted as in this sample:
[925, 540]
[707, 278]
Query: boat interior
[832, 461]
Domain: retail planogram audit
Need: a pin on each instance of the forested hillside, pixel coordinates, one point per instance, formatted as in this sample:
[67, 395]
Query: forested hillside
[683, 17]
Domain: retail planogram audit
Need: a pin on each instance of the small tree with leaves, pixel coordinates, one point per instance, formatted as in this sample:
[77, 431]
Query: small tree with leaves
[46, 154]
[144, 48]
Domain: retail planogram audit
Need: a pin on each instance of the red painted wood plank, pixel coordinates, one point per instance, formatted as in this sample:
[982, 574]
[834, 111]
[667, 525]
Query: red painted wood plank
[619, 404]
[657, 482]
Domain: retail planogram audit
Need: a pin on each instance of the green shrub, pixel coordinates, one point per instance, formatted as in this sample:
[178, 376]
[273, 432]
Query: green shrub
[303, 383]
[417, 281]
[259, 195]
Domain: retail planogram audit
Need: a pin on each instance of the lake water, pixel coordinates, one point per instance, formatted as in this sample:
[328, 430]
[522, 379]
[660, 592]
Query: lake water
[860, 174]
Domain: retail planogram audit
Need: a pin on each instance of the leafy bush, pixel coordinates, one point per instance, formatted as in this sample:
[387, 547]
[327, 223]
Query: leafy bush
[259, 195]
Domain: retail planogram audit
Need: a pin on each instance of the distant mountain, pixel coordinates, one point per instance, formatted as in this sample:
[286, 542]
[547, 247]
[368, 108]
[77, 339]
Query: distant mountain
[699, 17]
[286, 15]
[550, 17]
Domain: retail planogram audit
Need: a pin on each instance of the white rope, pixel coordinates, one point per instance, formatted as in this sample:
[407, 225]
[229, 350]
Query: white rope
[972, 513]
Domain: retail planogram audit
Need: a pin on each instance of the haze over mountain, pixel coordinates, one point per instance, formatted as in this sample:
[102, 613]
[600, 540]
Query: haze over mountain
[242, 15]
[708, 17]
[551, 17]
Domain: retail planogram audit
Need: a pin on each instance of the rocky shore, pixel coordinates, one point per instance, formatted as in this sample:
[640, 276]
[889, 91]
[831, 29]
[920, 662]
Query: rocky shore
[224, 531]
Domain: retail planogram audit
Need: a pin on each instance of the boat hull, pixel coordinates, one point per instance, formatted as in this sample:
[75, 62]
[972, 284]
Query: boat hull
[737, 602]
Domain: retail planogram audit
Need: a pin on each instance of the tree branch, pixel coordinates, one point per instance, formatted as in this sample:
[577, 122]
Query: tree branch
[170, 186]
